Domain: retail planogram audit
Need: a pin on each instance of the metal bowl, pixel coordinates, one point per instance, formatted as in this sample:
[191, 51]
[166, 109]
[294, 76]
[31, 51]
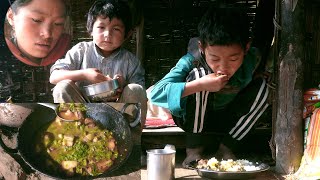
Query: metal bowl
[102, 91]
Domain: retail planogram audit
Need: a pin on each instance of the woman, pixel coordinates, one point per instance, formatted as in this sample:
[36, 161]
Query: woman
[36, 30]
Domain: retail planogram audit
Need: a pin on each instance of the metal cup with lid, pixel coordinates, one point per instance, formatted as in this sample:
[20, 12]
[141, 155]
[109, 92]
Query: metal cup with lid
[161, 163]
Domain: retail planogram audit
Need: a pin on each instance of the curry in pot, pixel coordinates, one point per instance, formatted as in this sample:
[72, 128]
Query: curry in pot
[71, 111]
[77, 148]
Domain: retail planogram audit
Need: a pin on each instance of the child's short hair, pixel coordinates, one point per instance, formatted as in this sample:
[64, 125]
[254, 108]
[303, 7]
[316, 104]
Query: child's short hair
[111, 9]
[224, 26]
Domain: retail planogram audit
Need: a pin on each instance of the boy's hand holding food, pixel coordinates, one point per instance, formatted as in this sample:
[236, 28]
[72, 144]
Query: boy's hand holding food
[94, 75]
[213, 82]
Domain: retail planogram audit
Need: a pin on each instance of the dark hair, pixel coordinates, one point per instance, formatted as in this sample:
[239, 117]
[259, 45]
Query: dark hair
[20, 3]
[111, 9]
[224, 26]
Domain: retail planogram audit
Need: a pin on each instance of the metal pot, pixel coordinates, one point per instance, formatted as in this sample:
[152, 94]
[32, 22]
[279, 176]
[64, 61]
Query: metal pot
[110, 118]
[102, 91]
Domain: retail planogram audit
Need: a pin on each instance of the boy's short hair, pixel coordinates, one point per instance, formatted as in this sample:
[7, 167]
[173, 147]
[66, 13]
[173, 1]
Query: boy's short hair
[111, 9]
[224, 26]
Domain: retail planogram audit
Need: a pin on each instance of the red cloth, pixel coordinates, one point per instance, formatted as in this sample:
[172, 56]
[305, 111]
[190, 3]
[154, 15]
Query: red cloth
[158, 117]
[313, 138]
[158, 123]
[310, 163]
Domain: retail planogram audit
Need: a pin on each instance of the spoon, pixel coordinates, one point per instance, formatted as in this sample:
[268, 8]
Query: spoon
[55, 107]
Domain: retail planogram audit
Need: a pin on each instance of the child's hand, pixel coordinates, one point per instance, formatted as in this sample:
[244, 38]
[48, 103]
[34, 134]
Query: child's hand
[120, 79]
[121, 82]
[214, 82]
[94, 75]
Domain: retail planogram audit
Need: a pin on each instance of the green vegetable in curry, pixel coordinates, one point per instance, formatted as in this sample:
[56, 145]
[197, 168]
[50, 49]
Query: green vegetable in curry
[72, 107]
[80, 147]
[71, 111]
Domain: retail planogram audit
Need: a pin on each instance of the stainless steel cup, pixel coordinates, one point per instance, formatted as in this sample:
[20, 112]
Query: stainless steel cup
[161, 164]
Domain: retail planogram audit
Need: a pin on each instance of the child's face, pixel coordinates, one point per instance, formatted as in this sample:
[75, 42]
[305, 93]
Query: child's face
[38, 26]
[224, 59]
[108, 35]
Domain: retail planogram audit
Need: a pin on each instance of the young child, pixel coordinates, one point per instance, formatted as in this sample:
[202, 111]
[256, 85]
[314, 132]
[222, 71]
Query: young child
[211, 92]
[109, 24]
[36, 31]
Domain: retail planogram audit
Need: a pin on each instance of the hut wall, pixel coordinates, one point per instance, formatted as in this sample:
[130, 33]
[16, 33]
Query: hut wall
[312, 65]
[168, 26]
[31, 84]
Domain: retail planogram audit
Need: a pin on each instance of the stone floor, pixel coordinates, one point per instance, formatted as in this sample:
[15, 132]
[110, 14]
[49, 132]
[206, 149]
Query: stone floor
[12, 167]
[181, 173]
[157, 138]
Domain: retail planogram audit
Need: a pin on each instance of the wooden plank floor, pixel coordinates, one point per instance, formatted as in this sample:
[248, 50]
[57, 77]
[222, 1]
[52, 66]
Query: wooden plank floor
[158, 138]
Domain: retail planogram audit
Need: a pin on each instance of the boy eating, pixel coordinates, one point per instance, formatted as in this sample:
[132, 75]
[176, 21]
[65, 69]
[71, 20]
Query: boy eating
[211, 92]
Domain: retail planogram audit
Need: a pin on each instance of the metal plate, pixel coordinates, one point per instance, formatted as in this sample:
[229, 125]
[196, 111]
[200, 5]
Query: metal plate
[227, 175]
[232, 175]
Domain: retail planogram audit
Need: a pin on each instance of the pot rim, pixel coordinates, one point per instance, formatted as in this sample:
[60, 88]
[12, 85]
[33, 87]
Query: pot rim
[102, 87]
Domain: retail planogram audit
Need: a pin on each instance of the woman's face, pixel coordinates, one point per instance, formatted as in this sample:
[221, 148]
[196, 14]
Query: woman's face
[38, 26]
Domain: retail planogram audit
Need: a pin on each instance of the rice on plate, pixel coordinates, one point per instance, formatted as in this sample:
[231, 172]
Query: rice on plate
[228, 165]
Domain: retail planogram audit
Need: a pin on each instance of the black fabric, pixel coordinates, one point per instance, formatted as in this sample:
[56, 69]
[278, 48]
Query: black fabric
[194, 140]
[217, 124]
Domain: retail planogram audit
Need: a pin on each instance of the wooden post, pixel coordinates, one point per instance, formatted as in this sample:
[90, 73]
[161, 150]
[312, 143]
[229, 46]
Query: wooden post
[138, 23]
[139, 39]
[289, 126]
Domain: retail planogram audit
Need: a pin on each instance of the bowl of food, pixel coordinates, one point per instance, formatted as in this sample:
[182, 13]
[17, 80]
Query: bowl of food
[89, 148]
[102, 91]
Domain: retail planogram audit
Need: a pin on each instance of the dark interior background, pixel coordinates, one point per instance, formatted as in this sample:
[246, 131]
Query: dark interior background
[168, 26]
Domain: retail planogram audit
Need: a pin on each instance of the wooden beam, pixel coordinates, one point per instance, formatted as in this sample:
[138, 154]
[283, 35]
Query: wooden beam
[289, 126]
[139, 40]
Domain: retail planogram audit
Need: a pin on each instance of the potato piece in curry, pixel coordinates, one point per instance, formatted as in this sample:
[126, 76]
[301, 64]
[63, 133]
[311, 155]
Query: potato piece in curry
[80, 148]
[72, 111]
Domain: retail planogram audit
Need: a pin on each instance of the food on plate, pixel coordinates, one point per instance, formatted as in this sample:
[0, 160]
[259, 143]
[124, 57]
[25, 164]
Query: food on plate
[227, 165]
[82, 147]
[71, 111]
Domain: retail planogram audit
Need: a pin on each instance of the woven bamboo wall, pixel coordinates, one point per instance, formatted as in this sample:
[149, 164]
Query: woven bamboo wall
[168, 26]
